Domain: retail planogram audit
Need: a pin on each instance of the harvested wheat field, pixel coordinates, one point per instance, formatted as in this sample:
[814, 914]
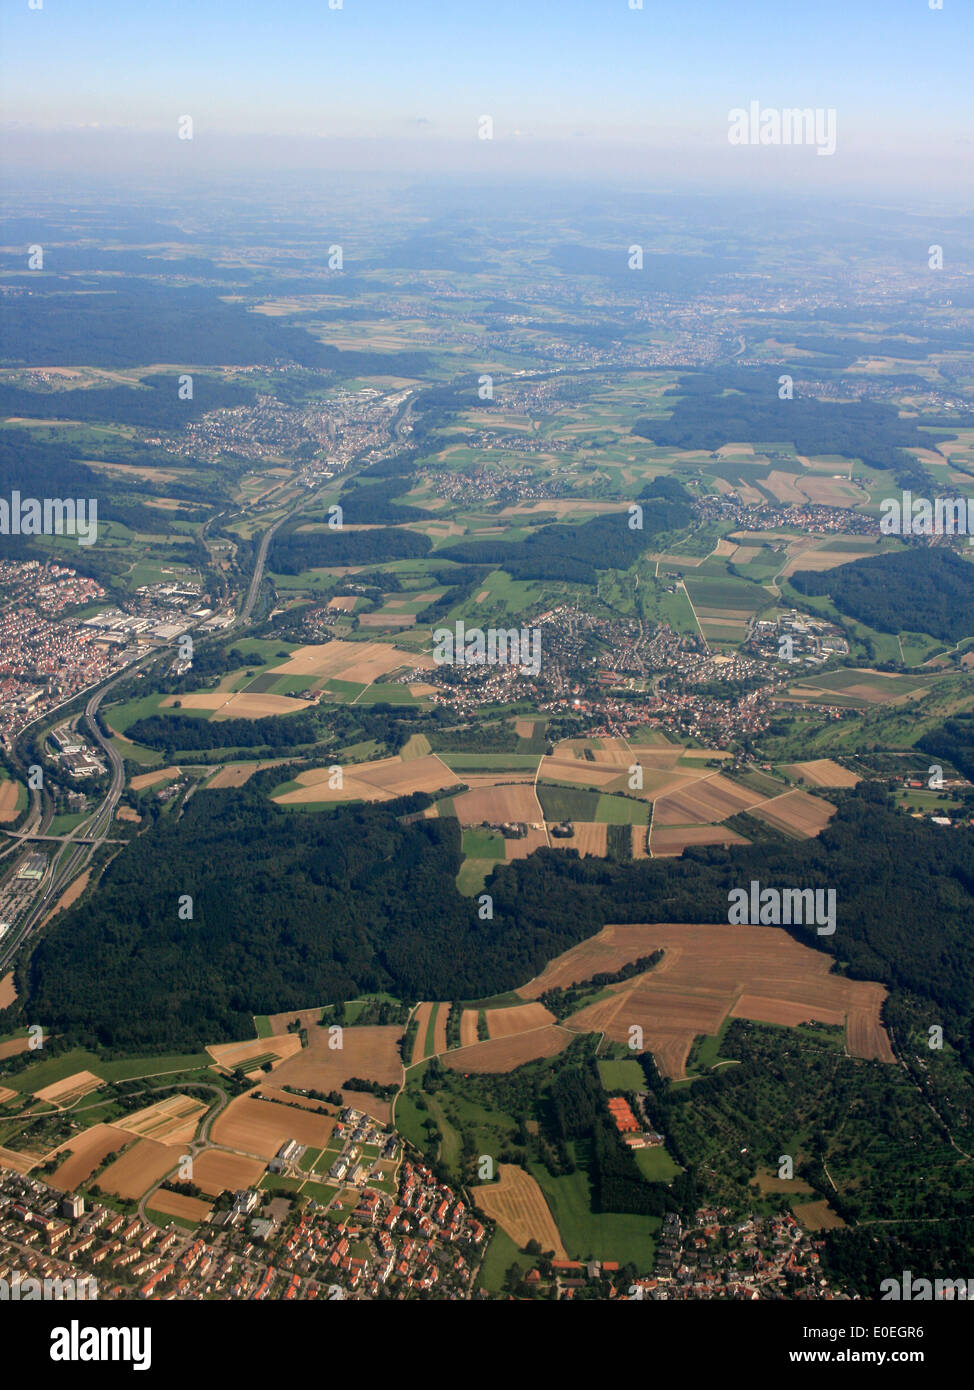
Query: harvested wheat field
[185, 1208]
[706, 973]
[439, 1028]
[708, 799]
[260, 1127]
[233, 1054]
[8, 800]
[196, 699]
[370, 1052]
[589, 838]
[7, 1094]
[8, 994]
[673, 840]
[236, 774]
[518, 1205]
[505, 1023]
[580, 771]
[360, 662]
[422, 1016]
[382, 780]
[72, 1088]
[468, 1027]
[151, 779]
[504, 1054]
[344, 602]
[125, 813]
[524, 728]
[520, 849]
[169, 1121]
[215, 1171]
[247, 706]
[19, 1162]
[307, 1018]
[513, 802]
[640, 842]
[796, 813]
[140, 1168]
[84, 1152]
[13, 1046]
[763, 1010]
[823, 772]
[865, 1034]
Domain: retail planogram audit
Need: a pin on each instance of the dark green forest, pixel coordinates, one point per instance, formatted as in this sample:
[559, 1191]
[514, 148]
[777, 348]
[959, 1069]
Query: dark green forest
[296, 907]
[919, 589]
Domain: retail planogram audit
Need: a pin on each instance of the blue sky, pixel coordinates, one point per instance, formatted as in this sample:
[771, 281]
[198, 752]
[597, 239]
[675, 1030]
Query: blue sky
[576, 73]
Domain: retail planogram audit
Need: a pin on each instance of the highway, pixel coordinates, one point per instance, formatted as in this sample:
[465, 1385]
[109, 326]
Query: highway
[72, 860]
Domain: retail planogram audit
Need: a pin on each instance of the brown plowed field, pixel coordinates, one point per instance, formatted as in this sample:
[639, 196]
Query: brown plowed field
[520, 849]
[515, 802]
[796, 812]
[8, 800]
[865, 1034]
[423, 1013]
[674, 841]
[260, 1127]
[517, 1204]
[590, 837]
[215, 1172]
[710, 799]
[236, 774]
[139, 1168]
[504, 1023]
[439, 1028]
[468, 1027]
[87, 1151]
[706, 973]
[370, 1052]
[763, 1010]
[308, 1018]
[149, 779]
[504, 1054]
[175, 1204]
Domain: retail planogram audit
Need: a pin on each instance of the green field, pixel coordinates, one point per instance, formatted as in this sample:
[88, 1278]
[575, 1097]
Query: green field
[45, 1073]
[656, 1165]
[625, 1075]
[483, 844]
[568, 803]
[597, 1235]
[501, 1254]
[619, 810]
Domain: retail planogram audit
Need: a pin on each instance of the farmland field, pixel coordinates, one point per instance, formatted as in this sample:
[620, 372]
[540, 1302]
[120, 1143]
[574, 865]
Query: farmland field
[260, 1127]
[706, 973]
[517, 1203]
[504, 1054]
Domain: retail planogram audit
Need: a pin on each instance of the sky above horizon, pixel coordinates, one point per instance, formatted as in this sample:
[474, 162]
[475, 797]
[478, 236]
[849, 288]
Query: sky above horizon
[571, 85]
